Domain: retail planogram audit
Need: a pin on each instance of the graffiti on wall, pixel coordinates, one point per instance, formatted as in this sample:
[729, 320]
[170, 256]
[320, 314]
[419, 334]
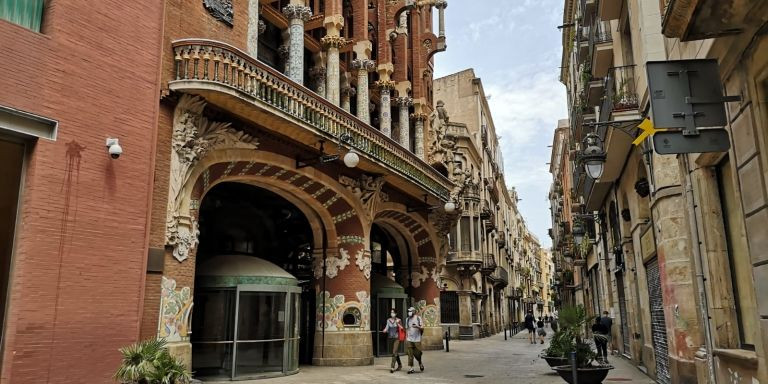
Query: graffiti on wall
[175, 308]
[339, 314]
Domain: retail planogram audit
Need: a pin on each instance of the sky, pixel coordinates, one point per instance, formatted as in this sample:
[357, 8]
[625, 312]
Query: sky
[514, 46]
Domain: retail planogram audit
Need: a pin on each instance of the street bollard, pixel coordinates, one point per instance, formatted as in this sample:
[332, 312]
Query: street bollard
[447, 341]
[573, 368]
[505, 332]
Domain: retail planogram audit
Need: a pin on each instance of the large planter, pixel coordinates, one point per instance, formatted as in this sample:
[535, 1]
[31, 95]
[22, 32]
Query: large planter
[586, 375]
[555, 361]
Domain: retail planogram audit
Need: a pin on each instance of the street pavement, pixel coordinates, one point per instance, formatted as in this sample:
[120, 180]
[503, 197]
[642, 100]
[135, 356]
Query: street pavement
[488, 360]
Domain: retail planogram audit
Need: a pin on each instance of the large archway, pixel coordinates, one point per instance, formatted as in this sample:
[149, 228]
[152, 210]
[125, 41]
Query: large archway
[254, 294]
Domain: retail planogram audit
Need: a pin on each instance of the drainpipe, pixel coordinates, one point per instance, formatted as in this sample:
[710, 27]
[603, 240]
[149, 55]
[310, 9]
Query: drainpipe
[697, 261]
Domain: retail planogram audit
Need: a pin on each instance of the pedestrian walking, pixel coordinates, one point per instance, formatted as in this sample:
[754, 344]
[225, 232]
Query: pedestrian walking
[394, 328]
[540, 330]
[414, 329]
[529, 325]
[553, 321]
[600, 334]
[608, 323]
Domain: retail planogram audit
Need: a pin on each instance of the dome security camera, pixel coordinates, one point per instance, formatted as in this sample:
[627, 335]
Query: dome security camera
[114, 148]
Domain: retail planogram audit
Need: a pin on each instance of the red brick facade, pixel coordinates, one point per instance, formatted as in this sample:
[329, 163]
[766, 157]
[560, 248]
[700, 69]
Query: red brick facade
[95, 68]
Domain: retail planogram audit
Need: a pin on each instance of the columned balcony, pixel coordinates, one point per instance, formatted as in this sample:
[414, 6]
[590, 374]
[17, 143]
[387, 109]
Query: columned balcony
[238, 83]
[601, 47]
[472, 259]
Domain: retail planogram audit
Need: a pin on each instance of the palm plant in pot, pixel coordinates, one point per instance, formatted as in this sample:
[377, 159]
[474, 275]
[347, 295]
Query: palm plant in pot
[149, 362]
[556, 354]
[573, 322]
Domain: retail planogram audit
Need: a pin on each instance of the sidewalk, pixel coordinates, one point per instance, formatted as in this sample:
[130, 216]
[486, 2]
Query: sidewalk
[491, 360]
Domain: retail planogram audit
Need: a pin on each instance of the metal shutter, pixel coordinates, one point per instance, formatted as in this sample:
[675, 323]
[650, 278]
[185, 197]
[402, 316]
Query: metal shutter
[658, 325]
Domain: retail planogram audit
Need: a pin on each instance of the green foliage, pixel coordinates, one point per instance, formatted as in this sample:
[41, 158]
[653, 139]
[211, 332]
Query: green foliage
[572, 336]
[148, 362]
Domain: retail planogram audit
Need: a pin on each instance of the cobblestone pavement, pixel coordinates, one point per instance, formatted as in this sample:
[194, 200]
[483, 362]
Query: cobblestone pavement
[489, 360]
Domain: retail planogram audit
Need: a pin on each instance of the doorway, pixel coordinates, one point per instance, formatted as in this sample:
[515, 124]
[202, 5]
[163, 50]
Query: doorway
[11, 171]
[254, 303]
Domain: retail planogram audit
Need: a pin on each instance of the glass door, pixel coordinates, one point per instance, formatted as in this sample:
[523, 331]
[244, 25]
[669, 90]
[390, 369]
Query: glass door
[267, 332]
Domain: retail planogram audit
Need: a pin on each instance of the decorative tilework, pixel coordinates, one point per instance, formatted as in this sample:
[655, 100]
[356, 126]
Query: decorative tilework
[229, 169]
[331, 201]
[344, 216]
[263, 170]
[319, 192]
[279, 173]
[307, 184]
[246, 168]
[351, 240]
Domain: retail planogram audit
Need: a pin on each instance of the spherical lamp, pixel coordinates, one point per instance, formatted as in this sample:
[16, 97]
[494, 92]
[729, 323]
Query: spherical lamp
[351, 159]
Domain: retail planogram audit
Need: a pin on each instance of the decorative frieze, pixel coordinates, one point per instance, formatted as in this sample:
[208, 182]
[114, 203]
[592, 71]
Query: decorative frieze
[193, 137]
[220, 10]
[368, 190]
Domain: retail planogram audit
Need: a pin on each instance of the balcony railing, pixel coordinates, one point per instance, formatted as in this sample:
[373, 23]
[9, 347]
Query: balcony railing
[489, 264]
[202, 63]
[620, 91]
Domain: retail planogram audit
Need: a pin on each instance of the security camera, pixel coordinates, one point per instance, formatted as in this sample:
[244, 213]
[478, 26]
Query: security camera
[114, 149]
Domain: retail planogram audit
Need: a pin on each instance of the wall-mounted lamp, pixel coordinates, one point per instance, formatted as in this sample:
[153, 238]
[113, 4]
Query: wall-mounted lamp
[448, 207]
[593, 156]
[350, 159]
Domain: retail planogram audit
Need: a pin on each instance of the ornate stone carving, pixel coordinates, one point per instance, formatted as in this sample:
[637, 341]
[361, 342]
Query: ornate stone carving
[193, 137]
[334, 41]
[220, 10]
[332, 264]
[295, 11]
[427, 44]
[363, 65]
[421, 276]
[385, 84]
[368, 190]
[364, 263]
[262, 26]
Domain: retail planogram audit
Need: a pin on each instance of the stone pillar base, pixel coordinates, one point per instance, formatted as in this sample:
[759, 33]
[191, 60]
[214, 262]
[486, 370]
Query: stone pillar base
[182, 351]
[682, 371]
[432, 338]
[345, 348]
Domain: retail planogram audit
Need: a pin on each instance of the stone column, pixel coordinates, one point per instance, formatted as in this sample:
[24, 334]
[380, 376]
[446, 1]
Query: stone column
[441, 5]
[333, 43]
[385, 110]
[346, 96]
[404, 103]
[297, 14]
[255, 27]
[318, 76]
[363, 66]
[418, 134]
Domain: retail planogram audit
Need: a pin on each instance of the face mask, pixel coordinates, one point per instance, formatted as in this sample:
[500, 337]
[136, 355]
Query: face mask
[393, 315]
[410, 313]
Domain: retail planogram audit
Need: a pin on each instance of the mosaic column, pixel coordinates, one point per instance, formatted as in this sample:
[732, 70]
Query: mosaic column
[404, 103]
[363, 66]
[318, 76]
[418, 133]
[333, 43]
[346, 97]
[385, 113]
[255, 27]
[297, 14]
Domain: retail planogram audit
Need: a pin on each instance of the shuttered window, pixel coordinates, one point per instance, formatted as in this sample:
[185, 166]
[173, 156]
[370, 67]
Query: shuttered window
[27, 13]
[449, 307]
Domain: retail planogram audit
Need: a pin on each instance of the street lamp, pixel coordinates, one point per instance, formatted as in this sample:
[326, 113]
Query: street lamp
[578, 232]
[593, 156]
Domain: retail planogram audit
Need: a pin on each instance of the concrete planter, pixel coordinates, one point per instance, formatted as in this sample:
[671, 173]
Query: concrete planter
[586, 375]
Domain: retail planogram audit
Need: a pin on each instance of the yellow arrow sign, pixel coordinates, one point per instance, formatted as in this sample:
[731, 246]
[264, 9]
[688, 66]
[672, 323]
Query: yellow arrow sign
[648, 130]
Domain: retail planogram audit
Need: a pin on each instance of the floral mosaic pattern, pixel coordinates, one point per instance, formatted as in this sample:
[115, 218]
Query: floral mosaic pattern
[420, 277]
[430, 313]
[364, 263]
[175, 308]
[331, 315]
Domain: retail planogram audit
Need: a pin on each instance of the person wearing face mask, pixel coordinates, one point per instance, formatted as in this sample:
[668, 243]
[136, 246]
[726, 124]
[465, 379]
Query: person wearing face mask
[392, 328]
[414, 328]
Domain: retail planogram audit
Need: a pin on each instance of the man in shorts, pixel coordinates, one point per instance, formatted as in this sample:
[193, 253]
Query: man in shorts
[530, 326]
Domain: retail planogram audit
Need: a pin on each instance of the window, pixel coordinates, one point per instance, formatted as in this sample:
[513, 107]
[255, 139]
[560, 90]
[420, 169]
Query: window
[27, 13]
[449, 307]
[466, 226]
[738, 255]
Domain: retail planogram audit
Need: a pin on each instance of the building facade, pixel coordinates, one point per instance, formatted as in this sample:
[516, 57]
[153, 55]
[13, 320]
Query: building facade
[670, 244]
[481, 287]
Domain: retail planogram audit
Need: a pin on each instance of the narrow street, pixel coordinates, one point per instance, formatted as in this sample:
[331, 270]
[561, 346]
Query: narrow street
[489, 360]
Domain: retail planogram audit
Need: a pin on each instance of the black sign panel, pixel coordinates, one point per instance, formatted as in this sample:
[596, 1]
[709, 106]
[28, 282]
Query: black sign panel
[708, 140]
[682, 89]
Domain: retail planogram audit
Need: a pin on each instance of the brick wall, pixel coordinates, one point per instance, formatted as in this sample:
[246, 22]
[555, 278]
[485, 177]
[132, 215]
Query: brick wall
[78, 273]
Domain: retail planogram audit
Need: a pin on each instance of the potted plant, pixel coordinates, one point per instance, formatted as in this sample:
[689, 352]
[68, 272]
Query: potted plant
[573, 322]
[148, 362]
[555, 354]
